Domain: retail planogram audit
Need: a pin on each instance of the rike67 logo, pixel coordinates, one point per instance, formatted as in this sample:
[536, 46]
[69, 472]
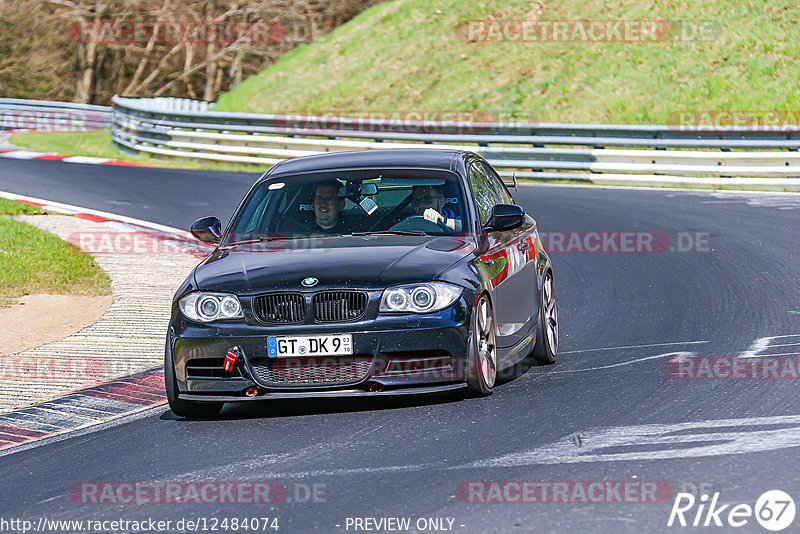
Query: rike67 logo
[774, 510]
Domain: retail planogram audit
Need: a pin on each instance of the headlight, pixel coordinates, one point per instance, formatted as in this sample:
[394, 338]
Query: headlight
[419, 298]
[206, 307]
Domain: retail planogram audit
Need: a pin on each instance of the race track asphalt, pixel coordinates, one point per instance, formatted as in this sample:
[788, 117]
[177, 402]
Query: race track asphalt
[606, 411]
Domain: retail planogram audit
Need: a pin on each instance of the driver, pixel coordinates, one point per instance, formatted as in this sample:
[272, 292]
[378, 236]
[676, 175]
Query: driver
[328, 206]
[429, 201]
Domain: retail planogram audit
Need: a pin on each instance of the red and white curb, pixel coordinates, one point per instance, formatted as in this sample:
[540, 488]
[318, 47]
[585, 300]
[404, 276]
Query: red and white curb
[49, 156]
[176, 238]
[95, 407]
[96, 215]
[83, 408]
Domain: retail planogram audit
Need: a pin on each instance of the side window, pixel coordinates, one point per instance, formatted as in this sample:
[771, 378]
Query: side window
[483, 191]
[498, 185]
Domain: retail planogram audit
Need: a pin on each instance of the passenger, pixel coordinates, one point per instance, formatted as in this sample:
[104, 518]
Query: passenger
[429, 201]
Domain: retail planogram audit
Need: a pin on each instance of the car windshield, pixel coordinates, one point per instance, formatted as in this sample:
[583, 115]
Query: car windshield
[402, 202]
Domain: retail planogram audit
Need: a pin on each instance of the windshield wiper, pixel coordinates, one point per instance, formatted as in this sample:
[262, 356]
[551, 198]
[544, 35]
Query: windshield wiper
[391, 232]
[261, 239]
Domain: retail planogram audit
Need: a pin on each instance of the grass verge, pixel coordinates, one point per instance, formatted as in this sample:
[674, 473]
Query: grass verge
[35, 261]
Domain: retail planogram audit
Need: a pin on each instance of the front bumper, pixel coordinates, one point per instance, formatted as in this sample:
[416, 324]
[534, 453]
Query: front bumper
[401, 354]
[335, 393]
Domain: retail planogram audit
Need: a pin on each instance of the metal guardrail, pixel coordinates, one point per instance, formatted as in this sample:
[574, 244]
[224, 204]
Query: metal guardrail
[596, 152]
[21, 115]
[646, 154]
[173, 104]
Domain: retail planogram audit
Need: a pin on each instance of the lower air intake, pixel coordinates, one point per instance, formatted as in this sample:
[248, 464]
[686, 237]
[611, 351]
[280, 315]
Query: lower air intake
[314, 371]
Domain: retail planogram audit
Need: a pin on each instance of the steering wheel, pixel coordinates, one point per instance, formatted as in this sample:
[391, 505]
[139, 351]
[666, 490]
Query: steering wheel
[419, 222]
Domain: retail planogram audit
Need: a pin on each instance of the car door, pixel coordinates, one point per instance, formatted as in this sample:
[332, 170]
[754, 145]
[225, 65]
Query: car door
[523, 288]
[507, 258]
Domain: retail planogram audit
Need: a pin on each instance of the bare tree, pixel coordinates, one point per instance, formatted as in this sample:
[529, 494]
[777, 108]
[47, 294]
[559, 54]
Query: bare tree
[175, 47]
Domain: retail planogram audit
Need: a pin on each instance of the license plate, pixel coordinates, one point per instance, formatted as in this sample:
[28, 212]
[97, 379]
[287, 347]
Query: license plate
[290, 346]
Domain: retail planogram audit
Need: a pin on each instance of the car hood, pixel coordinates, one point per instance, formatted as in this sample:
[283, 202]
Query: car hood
[363, 262]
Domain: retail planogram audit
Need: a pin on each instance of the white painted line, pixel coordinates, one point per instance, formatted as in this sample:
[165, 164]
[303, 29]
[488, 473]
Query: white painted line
[635, 346]
[59, 209]
[24, 154]
[71, 209]
[85, 159]
[693, 439]
[629, 362]
[121, 226]
[51, 499]
[761, 344]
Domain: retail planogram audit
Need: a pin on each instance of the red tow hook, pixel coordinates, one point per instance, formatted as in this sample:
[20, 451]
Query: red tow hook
[230, 359]
[230, 362]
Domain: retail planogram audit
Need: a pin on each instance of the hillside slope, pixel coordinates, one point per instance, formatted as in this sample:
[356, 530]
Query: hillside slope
[86, 51]
[410, 55]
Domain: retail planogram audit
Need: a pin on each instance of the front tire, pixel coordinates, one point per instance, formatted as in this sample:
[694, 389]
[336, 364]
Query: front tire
[179, 407]
[482, 354]
[546, 348]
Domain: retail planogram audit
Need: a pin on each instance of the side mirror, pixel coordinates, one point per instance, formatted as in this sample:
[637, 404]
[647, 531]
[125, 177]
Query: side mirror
[505, 217]
[207, 229]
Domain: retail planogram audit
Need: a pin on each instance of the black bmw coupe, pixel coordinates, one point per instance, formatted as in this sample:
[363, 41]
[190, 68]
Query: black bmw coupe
[365, 273]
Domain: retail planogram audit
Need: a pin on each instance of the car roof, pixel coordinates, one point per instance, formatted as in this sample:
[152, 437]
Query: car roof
[411, 158]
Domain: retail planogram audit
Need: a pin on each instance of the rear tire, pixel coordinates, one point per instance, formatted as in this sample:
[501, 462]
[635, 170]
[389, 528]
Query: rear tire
[179, 407]
[546, 348]
[482, 350]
